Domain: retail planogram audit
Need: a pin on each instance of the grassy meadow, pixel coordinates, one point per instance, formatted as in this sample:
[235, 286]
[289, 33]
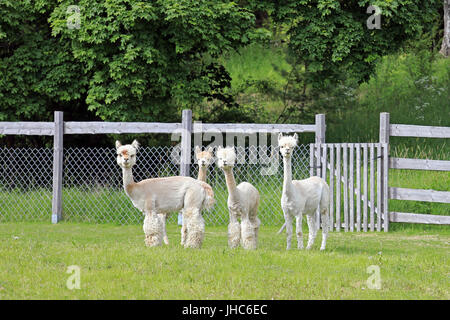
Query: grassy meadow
[115, 264]
[102, 232]
[110, 205]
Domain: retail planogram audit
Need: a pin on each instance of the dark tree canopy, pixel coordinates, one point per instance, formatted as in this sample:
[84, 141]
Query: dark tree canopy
[126, 59]
[145, 60]
[330, 36]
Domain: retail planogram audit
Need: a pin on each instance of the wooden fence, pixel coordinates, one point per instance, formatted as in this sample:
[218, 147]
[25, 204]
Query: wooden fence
[357, 180]
[358, 173]
[58, 128]
[403, 130]
[358, 176]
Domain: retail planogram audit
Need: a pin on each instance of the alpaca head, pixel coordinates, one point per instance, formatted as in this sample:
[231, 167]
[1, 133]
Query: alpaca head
[287, 144]
[226, 157]
[126, 154]
[203, 157]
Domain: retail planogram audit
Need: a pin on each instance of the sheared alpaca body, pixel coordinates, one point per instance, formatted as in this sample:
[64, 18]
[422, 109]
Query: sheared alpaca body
[204, 160]
[157, 197]
[243, 201]
[302, 197]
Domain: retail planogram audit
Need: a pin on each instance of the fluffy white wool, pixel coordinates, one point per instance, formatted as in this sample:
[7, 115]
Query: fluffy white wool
[243, 201]
[158, 197]
[302, 197]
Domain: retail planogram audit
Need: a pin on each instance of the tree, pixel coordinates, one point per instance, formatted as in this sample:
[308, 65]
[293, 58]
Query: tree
[332, 41]
[115, 59]
[445, 50]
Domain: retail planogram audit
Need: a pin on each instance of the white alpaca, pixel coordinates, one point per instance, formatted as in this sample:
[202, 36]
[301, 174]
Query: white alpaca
[302, 197]
[158, 197]
[243, 201]
[204, 160]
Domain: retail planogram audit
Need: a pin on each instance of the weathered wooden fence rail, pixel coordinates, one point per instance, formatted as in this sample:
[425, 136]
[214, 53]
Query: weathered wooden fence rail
[403, 130]
[358, 176]
[357, 173]
[183, 130]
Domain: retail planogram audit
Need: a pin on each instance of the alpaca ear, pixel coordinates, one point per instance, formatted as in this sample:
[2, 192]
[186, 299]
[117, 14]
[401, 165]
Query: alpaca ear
[197, 149]
[280, 135]
[135, 144]
[210, 149]
[295, 137]
[118, 144]
[219, 148]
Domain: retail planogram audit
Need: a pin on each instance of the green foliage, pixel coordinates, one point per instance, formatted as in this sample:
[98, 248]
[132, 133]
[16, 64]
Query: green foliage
[331, 37]
[144, 59]
[414, 88]
[36, 71]
[128, 60]
[331, 51]
[256, 83]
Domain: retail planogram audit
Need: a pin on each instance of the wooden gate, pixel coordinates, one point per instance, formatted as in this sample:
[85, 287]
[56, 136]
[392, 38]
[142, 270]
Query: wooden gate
[358, 176]
[358, 179]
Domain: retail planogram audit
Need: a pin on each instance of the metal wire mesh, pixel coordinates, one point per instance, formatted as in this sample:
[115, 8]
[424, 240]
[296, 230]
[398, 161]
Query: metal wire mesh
[93, 187]
[263, 167]
[26, 184]
[93, 191]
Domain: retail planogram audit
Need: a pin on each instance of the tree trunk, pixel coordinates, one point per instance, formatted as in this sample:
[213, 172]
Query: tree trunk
[445, 50]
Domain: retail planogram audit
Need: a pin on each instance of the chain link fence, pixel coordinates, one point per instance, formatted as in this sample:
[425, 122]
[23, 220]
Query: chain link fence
[26, 178]
[93, 191]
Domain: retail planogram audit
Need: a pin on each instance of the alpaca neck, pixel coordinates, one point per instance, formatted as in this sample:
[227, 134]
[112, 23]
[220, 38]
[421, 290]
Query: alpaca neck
[287, 180]
[202, 174]
[127, 177]
[231, 183]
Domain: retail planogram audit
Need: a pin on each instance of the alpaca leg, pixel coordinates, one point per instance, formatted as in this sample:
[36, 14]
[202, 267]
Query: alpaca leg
[153, 229]
[325, 222]
[183, 228]
[195, 229]
[312, 230]
[163, 218]
[298, 230]
[234, 232]
[249, 231]
[256, 224]
[288, 219]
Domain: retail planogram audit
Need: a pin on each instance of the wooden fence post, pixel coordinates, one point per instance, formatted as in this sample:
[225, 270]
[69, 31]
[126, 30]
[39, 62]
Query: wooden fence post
[384, 127]
[320, 139]
[320, 128]
[57, 167]
[384, 140]
[186, 124]
[185, 161]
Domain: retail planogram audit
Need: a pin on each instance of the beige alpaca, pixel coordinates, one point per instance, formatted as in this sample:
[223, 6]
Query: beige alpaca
[243, 201]
[204, 160]
[158, 197]
[301, 197]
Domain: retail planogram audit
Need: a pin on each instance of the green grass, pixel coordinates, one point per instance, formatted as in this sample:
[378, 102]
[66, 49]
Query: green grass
[263, 64]
[416, 179]
[108, 205]
[115, 264]
[112, 205]
[257, 62]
